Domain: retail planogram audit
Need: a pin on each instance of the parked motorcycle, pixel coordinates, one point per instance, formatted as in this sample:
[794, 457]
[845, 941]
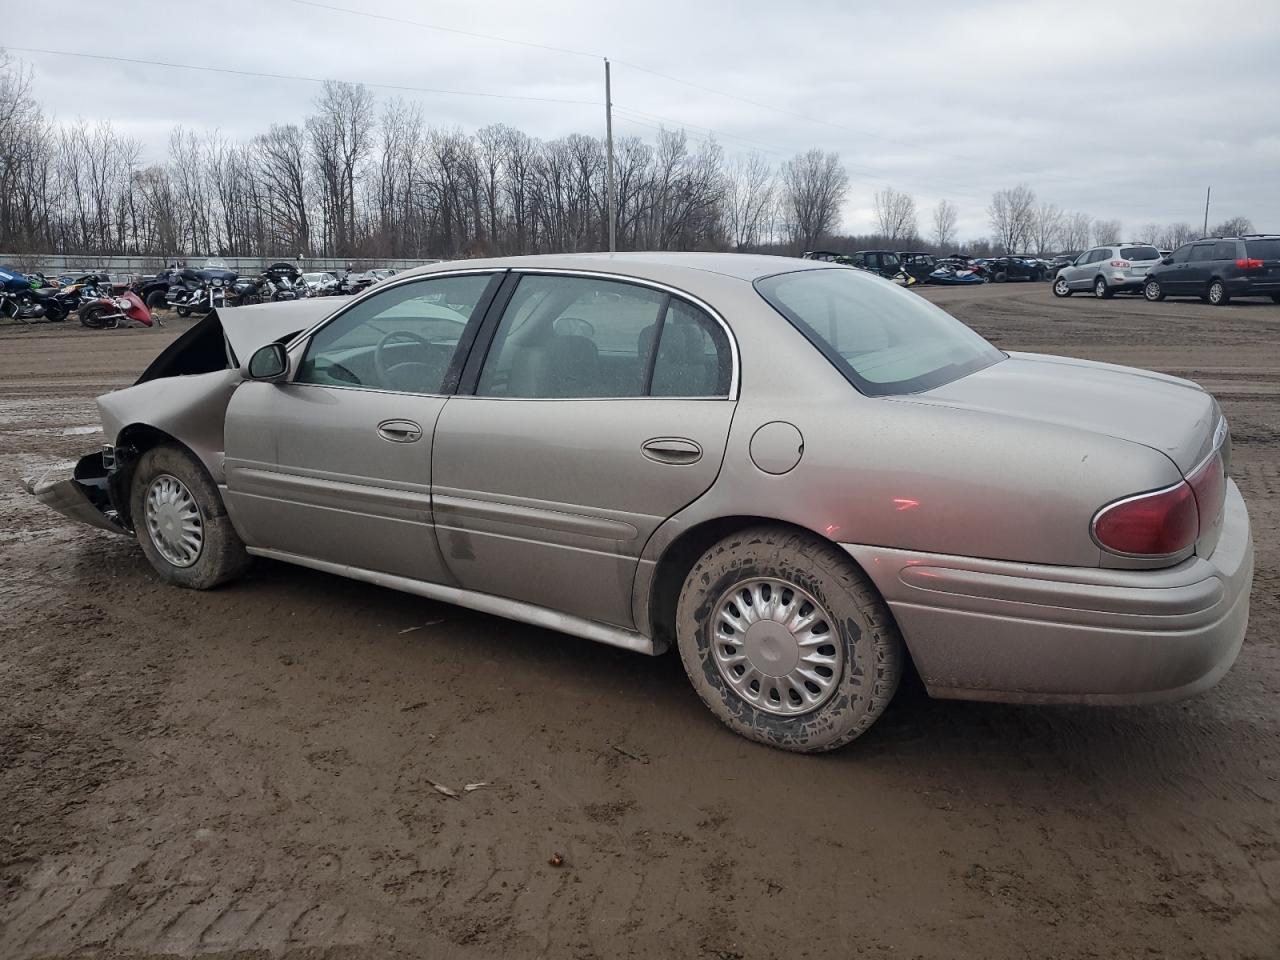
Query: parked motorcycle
[20, 300]
[117, 309]
[199, 291]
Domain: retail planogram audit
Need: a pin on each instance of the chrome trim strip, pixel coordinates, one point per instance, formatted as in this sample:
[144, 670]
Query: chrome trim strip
[483, 602]
[665, 288]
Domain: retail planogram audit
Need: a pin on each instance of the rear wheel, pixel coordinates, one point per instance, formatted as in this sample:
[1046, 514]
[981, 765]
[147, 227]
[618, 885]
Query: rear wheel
[55, 310]
[156, 300]
[1000, 277]
[1101, 290]
[1153, 291]
[1217, 293]
[1061, 288]
[181, 522]
[184, 311]
[786, 640]
[1275, 298]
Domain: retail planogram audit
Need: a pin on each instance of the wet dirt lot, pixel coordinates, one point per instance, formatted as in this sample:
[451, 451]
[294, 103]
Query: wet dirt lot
[250, 771]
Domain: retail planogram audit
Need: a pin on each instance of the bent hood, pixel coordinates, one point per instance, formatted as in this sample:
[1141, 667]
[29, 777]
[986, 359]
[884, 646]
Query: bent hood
[1169, 414]
[228, 336]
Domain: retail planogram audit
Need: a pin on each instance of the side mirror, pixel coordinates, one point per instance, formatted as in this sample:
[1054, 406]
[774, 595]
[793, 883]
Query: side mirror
[269, 363]
[1166, 260]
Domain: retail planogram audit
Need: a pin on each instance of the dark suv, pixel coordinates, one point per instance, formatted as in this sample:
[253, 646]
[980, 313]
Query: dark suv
[1218, 269]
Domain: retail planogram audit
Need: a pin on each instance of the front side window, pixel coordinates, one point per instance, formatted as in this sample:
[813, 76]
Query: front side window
[883, 339]
[580, 337]
[1202, 251]
[1182, 254]
[403, 339]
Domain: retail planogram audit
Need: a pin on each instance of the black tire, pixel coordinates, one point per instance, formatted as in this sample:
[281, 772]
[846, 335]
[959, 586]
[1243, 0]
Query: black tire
[1275, 298]
[156, 300]
[184, 311]
[1153, 291]
[55, 311]
[222, 556]
[872, 648]
[1101, 290]
[93, 316]
[1000, 277]
[1217, 294]
[1060, 288]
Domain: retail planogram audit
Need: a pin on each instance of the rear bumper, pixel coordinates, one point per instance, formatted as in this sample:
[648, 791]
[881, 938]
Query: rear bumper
[1023, 633]
[82, 495]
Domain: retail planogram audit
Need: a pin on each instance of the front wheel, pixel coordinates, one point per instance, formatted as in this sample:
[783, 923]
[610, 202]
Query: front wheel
[1000, 278]
[1061, 288]
[786, 641]
[1101, 290]
[56, 311]
[1153, 291]
[156, 300]
[184, 311]
[1217, 294]
[181, 523]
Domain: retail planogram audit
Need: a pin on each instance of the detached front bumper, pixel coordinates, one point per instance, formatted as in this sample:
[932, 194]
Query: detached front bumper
[1024, 633]
[81, 496]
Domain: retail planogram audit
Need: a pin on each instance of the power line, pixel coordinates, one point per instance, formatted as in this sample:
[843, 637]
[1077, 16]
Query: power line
[290, 76]
[432, 26]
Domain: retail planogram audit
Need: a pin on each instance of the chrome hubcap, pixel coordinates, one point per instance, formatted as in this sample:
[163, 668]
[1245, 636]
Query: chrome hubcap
[1100, 288]
[1215, 293]
[1153, 291]
[1061, 286]
[174, 521]
[776, 646]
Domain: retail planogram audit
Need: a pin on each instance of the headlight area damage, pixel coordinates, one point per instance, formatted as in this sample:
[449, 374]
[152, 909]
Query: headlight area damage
[182, 396]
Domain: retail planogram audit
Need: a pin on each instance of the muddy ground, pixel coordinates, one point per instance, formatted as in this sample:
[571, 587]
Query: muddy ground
[249, 771]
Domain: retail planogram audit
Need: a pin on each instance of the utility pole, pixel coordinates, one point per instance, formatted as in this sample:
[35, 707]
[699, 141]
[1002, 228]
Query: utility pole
[1207, 191]
[608, 175]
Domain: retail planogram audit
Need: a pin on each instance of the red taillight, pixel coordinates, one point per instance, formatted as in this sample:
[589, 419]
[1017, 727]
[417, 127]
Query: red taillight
[1151, 524]
[1209, 484]
[1121, 263]
[1249, 264]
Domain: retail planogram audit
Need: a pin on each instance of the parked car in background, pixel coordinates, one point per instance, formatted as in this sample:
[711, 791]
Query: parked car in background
[1218, 269]
[1107, 270]
[918, 265]
[1002, 269]
[764, 488]
[1063, 260]
[320, 284]
[887, 263]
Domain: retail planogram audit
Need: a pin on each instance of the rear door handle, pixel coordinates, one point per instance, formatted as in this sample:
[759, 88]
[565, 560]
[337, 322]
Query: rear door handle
[671, 450]
[399, 431]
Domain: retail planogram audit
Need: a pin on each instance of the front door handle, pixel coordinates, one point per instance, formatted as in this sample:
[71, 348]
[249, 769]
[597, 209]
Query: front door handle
[671, 450]
[399, 431]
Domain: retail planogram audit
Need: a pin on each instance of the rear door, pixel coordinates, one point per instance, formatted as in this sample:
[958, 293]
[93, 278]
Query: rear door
[599, 408]
[335, 464]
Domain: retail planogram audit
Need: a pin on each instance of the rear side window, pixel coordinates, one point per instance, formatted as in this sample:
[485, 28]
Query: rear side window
[883, 339]
[1224, 250]
[1262, 249]
[693, 358]
[1139, 253]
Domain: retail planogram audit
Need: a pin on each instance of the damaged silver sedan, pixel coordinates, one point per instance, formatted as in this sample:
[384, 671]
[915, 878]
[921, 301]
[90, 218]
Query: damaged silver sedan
[796, 472]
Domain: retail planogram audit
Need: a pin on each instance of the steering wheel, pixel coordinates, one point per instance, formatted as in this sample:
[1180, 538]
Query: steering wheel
[390, 374]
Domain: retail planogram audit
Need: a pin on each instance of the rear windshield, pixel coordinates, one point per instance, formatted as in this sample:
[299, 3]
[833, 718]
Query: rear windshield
[882, 338]
[1262, 249]
[1139, 253]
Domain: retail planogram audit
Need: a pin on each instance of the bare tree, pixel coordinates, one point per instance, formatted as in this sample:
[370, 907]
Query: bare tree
[341, 136]
[1077, 228]
[281, 169]
[944, 225]
[1174, 235]
[1012, 216]
[1235, 227]
[895, 214]
[1046, 226]
[1107, 231]
[749, 202]
[814, 184]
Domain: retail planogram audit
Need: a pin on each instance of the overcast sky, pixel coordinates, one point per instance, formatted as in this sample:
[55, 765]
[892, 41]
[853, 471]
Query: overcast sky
[1124, 110]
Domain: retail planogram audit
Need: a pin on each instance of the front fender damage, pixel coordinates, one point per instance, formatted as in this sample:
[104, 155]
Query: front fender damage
[82, 496]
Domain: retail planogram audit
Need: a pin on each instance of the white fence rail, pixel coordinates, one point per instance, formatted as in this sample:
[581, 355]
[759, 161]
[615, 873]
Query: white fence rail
[53, 264]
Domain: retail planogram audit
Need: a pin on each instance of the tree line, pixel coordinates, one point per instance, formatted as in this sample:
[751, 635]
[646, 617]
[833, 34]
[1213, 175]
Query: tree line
[362, 179]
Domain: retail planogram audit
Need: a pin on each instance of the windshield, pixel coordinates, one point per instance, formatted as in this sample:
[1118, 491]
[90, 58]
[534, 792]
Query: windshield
[884, 339]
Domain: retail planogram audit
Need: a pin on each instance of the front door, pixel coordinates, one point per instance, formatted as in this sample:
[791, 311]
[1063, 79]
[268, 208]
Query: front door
[600, 409]
[335, 464]
[1194, 277]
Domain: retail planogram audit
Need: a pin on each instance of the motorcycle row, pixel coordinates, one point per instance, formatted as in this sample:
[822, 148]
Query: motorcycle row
[101, 303]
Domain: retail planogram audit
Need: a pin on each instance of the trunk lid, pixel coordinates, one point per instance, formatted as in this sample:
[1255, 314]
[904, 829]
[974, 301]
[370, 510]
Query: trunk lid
[1169, 414]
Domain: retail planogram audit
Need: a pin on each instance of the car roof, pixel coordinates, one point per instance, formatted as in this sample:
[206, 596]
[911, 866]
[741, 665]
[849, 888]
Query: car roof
[646, 265]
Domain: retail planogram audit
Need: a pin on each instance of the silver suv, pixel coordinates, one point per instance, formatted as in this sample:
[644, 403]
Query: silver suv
[1107, 269]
